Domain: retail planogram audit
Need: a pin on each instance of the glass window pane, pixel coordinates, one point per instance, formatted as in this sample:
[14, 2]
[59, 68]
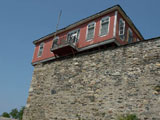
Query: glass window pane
[130, 36]
[40, 49]
[122, 29]
[104, 26]
[90, 33]
[104, 29]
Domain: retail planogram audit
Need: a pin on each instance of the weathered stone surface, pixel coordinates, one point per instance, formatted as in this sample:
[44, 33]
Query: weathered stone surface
[98, 86]
[3, 118]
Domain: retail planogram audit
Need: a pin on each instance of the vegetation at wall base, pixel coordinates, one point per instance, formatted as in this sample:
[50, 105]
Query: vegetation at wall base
[128, 117]
[5, 114]
[14, 113]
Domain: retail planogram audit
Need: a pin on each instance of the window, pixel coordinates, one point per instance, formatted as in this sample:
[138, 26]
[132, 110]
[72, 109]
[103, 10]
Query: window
[104, 29]
[55, 42]
[73, 36]
[122, 29]
[40, 49]
[90, 31]
[130, 36]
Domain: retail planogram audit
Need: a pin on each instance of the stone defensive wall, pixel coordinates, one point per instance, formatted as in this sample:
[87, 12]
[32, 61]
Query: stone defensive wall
[98, 85]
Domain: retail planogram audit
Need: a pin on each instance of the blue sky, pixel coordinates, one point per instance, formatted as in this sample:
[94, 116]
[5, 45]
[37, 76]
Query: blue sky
[23, 21]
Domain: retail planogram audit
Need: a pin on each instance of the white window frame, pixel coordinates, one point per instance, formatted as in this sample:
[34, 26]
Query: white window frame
[93, 31]
[123, 34]
[101, 26]
[129, 31]
[40, 49]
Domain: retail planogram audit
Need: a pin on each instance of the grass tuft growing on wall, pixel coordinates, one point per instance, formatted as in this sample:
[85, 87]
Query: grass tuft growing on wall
[128, 117]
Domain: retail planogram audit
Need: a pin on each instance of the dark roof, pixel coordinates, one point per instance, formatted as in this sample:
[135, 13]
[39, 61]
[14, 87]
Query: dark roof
[115, 7]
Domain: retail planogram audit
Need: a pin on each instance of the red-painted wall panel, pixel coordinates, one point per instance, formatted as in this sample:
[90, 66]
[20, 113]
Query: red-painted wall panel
[135, 36]
[83, 43]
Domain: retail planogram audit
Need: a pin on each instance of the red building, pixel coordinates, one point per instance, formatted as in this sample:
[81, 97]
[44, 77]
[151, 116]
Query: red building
[111, 27]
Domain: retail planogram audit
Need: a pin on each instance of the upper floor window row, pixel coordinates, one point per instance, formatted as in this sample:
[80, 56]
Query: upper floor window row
[41, 46]
[104, 28]
[122, 29]
[73, 36]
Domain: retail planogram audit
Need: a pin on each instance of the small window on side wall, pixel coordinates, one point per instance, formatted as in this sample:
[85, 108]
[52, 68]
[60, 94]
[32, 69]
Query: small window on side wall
[122, 29]
[90, 31]
[104, 29]
[130, 35]
[41, 46]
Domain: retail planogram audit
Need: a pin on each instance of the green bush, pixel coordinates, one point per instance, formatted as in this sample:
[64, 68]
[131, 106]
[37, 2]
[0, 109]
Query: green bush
[15, 113]
[128, 117]
[5, 114]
